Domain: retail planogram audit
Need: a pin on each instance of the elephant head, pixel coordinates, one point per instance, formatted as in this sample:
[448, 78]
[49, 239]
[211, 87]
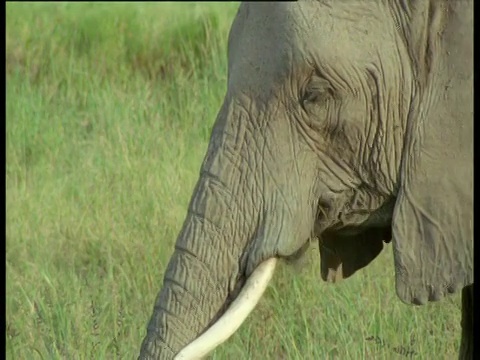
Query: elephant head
[347, 122]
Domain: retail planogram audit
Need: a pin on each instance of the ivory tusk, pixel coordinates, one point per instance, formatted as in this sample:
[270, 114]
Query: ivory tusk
[234, 316]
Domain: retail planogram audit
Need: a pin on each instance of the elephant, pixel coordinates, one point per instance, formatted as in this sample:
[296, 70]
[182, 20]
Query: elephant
[349, 123]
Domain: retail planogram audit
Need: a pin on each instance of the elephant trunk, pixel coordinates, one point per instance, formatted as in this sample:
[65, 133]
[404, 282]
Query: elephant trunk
[207, 270]
[198, 280]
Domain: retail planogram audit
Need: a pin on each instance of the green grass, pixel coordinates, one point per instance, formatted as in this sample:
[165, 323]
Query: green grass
[109, 110]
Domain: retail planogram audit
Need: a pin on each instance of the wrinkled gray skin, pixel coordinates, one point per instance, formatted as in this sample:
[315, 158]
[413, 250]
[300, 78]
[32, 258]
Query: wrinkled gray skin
[346, 121]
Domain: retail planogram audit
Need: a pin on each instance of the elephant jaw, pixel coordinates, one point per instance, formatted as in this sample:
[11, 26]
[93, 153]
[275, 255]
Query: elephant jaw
[234, 316]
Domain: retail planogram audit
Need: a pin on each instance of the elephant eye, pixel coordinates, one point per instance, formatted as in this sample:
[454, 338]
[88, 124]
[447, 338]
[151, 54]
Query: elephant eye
[318, 91]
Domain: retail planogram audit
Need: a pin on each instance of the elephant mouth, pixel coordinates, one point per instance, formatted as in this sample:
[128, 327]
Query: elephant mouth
[379, 233]
[344, 252]
[359, 223]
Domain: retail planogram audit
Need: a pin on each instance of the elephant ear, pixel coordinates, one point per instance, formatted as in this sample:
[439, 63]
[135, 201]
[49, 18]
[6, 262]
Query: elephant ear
[432, 226]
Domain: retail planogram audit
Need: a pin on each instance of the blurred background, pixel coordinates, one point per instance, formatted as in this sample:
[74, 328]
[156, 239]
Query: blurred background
[109, 110]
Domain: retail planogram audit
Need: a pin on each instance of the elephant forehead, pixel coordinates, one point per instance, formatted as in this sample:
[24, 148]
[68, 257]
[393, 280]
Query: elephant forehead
[260, 46]
[276, 38]
[339, 33]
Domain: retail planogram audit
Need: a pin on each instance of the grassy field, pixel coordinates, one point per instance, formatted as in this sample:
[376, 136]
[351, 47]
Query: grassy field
[109, 110]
